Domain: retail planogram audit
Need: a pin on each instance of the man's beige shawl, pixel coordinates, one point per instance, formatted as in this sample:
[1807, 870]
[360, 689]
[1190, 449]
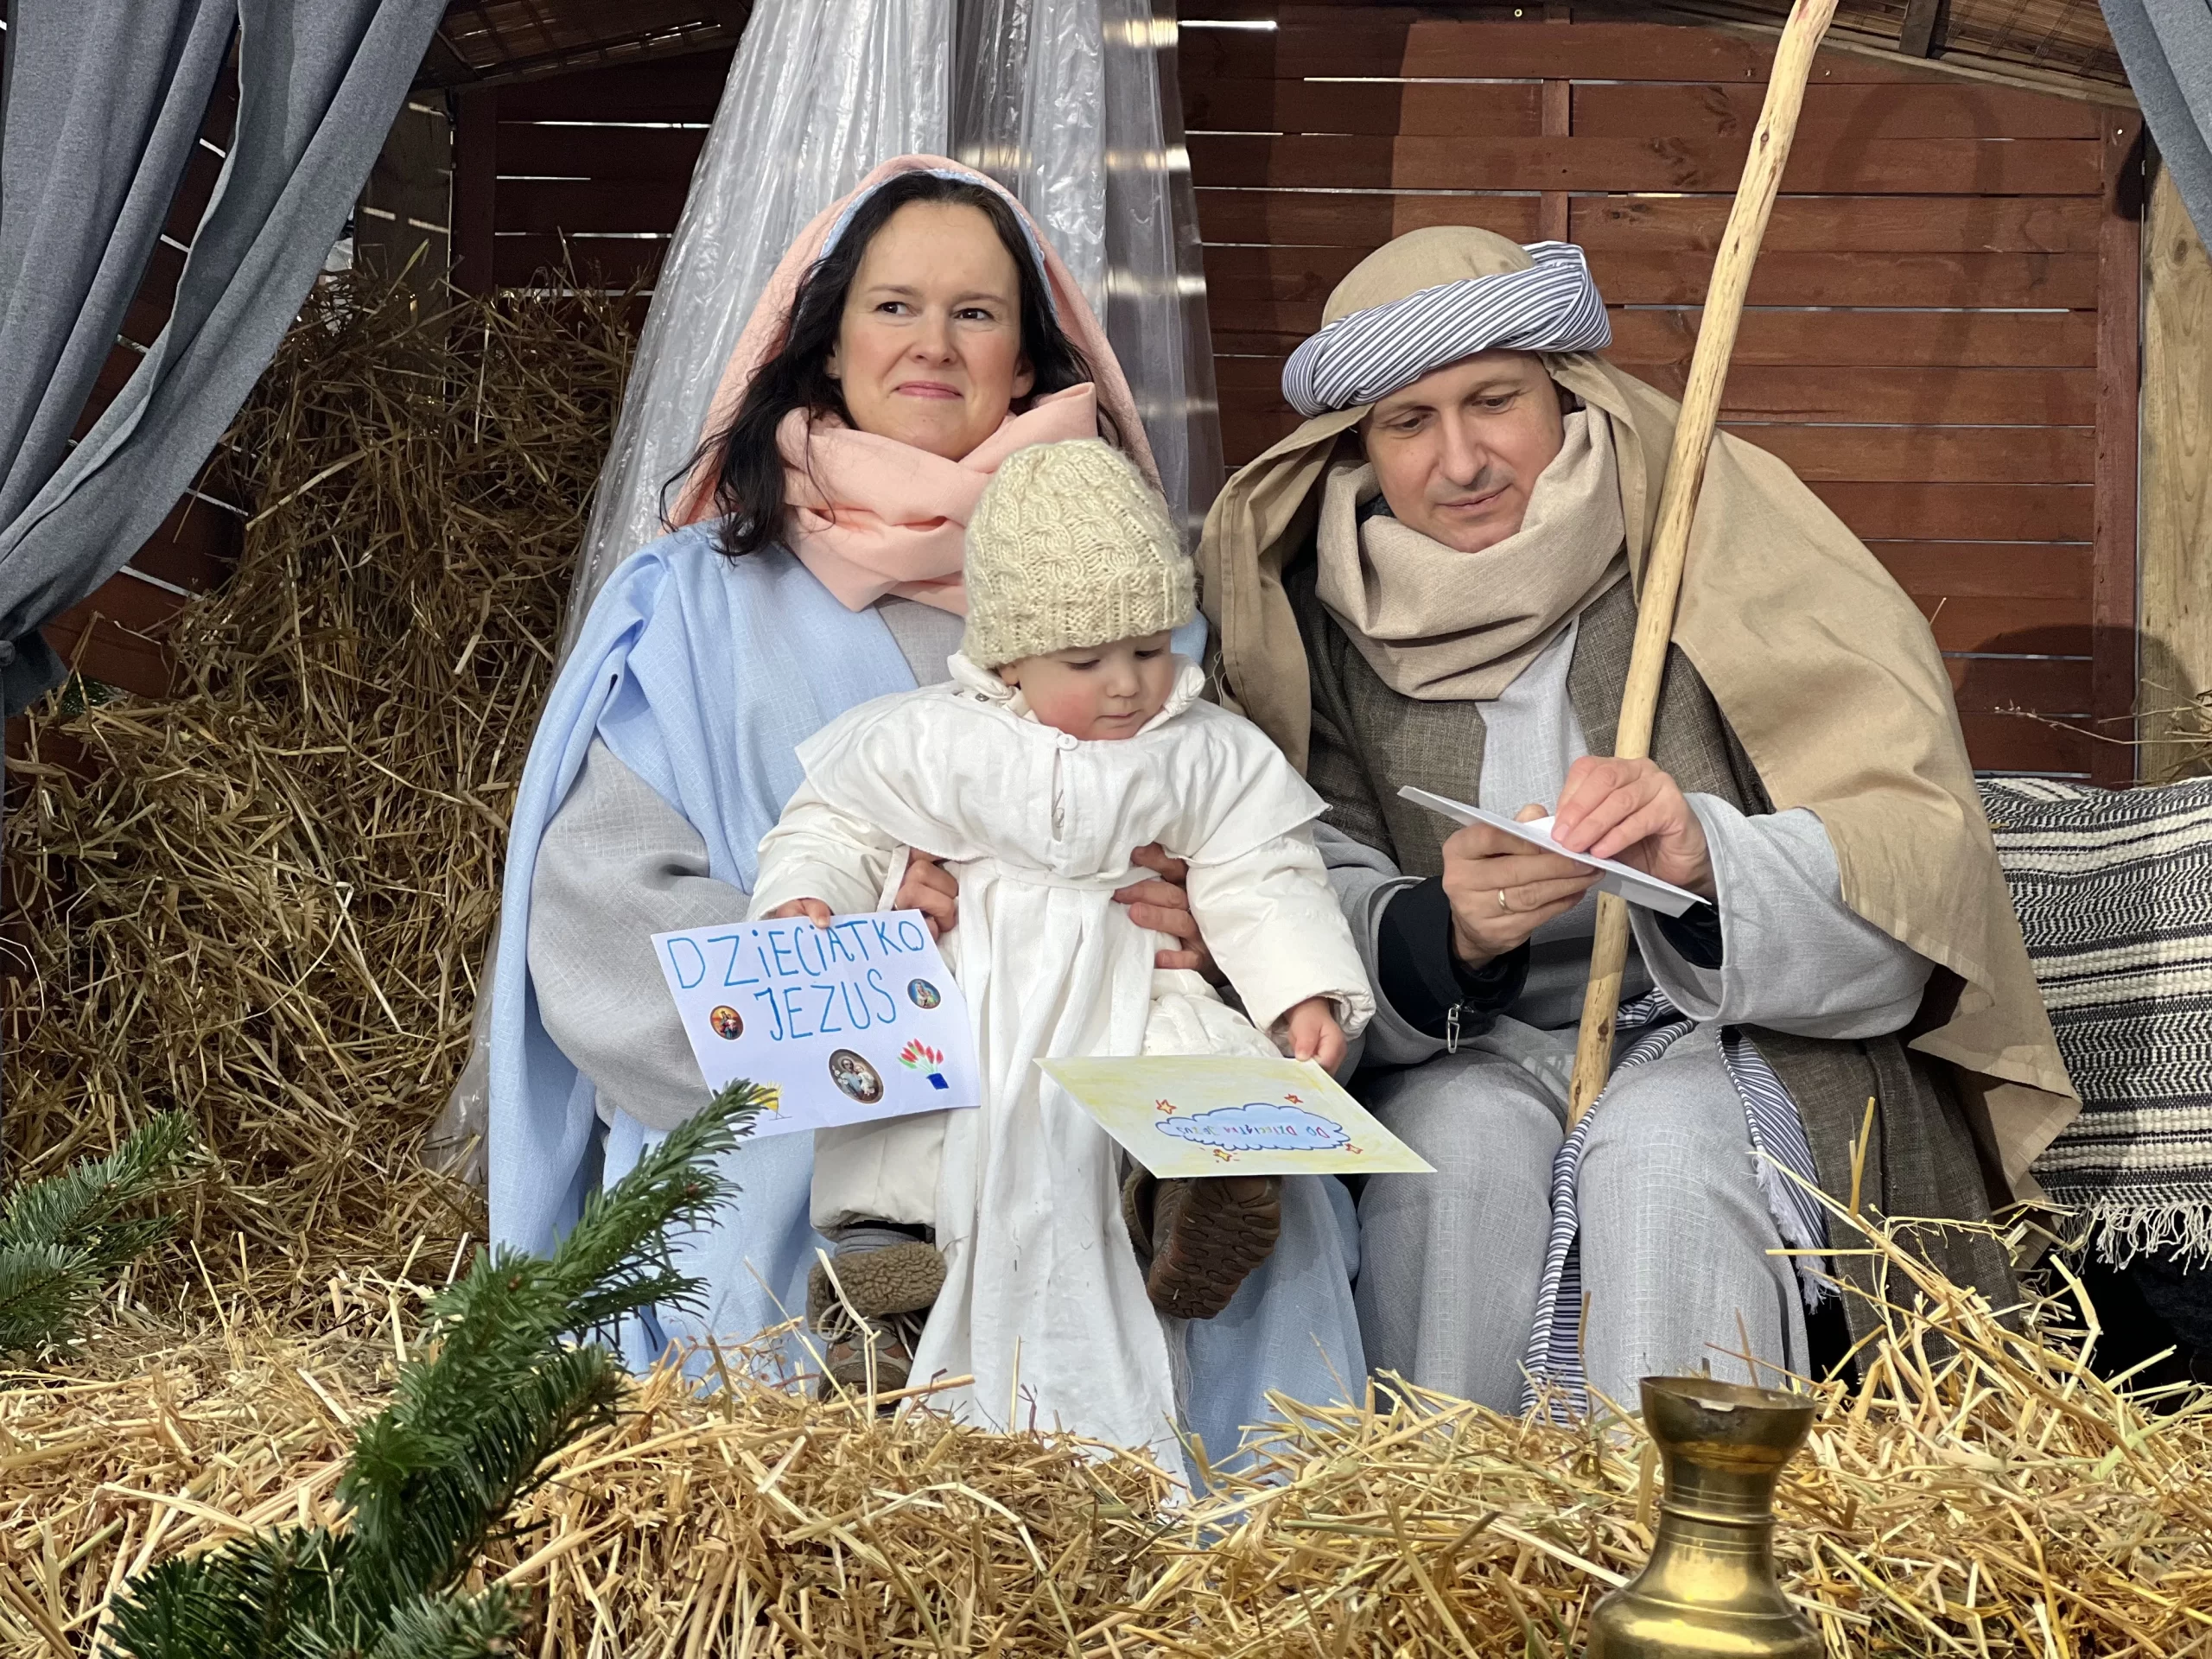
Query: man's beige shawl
[1825, 670]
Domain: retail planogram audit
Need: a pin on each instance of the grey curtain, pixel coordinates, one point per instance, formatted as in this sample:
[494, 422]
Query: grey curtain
[2167, 48]
[104, 101]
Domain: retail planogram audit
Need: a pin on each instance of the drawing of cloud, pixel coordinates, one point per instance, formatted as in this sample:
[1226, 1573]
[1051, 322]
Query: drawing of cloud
[1257, 1126]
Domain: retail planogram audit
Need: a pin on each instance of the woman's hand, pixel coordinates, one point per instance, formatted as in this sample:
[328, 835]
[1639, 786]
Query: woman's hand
[1164, 905]
[813, 909]
[933, 890]
[1632, 811]
[1314, 1033]
[1502, 889]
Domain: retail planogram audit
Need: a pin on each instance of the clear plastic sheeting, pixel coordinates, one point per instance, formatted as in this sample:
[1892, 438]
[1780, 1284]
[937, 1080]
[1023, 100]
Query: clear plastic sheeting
[1155, 283]
[1073, 105]
[1029, 99]
[820, 91]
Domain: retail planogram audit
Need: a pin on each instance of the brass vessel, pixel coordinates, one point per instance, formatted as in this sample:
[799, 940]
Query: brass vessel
[1709, 1587]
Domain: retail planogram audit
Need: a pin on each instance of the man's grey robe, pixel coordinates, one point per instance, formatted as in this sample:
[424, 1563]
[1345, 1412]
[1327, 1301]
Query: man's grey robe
[1676, 1232]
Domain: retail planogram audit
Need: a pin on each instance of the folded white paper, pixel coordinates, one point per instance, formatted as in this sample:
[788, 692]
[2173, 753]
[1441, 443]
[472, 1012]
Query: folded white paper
[1625, 880]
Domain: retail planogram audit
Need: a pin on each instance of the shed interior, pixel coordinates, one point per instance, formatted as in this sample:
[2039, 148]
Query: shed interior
[1948, 331]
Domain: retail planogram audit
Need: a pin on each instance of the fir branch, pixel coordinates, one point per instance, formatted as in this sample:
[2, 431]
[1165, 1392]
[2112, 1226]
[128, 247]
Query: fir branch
[470, 1429]
[63, 1237]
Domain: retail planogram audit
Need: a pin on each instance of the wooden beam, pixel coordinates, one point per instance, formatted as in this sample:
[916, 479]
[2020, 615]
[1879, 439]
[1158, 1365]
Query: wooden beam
[2177, 483]
[1922, 36]
[475, 181]
[2112, 669]
[1558, 122]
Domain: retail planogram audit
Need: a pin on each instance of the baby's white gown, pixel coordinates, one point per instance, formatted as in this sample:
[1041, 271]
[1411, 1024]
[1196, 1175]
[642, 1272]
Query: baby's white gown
[1044, 1302]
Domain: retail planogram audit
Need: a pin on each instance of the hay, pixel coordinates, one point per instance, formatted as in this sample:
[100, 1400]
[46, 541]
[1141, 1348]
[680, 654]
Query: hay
[262, 901]
[2004, 1501]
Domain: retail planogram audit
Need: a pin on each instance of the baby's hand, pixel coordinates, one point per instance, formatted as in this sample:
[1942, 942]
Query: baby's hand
[1315, 1034]
[813, 909]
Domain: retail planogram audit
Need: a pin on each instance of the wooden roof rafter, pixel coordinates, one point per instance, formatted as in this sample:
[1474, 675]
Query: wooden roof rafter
[2059, 47]
[493, 42]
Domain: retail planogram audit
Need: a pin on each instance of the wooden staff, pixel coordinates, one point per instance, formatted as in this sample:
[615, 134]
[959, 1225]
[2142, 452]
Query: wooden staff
[1663, 569]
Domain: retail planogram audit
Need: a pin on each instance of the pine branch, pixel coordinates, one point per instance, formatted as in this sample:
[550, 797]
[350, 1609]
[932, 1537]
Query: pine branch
[61, 1238]
[468, 1432]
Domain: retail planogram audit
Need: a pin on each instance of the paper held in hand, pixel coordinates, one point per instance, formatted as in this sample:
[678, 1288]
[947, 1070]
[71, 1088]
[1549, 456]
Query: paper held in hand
[851, 1022]
[1625, 880]
[1233, 1115]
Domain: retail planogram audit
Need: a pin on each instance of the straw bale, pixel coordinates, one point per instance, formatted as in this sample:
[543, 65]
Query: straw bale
[262, 901]
[2004, 1501]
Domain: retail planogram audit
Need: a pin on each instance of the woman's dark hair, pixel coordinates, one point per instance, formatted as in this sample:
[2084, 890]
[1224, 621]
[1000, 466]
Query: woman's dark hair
[748, 464]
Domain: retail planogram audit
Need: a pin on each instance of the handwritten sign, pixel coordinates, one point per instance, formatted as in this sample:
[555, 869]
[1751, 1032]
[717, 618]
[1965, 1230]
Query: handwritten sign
[1230, 1114]
[851, 1022]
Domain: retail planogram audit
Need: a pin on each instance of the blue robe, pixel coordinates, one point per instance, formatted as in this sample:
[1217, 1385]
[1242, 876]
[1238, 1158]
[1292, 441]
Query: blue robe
[702, 674]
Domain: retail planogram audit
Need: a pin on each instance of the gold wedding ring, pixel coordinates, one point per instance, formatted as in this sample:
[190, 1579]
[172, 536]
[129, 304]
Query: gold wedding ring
[1502, 904]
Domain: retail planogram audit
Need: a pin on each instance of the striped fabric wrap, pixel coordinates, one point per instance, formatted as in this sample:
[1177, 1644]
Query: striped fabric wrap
[1553, 306]
[1784, 1158]
[2113, 889]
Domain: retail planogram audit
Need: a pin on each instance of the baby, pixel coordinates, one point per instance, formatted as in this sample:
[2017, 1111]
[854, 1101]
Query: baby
[990, 1243]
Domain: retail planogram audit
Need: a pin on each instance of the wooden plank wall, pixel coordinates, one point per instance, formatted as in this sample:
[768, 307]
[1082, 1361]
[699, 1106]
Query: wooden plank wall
[115, 634]
[1941, 340]
[587, 170]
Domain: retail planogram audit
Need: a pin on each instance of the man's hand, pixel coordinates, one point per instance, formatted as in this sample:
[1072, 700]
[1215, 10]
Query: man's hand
[930, 888]
[1314, 1033]
[813, 909]
[1502, 889]
[1632, 811]
[1163, 905]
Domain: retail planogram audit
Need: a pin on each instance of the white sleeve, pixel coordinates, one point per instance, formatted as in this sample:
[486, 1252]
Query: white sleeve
[1273, 923]
[1795, 957]
[819, 851]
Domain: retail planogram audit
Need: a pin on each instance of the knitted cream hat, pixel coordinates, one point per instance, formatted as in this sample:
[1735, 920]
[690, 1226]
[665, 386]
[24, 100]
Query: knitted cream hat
[1069, 546]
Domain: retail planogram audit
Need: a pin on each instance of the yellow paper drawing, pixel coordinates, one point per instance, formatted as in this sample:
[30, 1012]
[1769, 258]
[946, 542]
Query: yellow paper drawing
[1227, 1114]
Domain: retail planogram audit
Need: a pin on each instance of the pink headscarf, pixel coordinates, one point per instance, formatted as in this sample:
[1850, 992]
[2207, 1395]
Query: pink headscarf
[888, 518]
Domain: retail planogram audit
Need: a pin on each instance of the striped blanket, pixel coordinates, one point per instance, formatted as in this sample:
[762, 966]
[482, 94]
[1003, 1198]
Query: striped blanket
[2113, 889]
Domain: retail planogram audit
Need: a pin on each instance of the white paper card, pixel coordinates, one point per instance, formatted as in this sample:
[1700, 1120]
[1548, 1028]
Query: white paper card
[849, 1023]
[1193, 1116]
[1625, 880]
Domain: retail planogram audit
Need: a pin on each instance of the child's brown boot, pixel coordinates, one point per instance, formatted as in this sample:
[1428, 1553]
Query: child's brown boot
[879, 1301]
[1199, 1239]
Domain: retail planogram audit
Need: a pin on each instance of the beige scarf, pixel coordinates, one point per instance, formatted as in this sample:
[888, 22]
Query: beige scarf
[1442, 625]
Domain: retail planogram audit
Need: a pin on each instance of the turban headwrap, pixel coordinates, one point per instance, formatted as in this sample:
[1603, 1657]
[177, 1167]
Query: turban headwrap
[1552, 306]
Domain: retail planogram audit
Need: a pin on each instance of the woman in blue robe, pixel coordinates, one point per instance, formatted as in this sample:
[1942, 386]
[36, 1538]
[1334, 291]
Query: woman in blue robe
[795, 592]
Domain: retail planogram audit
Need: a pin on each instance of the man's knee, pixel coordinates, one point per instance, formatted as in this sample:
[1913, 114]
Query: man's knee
[1470, 1120]
[1679, 1114]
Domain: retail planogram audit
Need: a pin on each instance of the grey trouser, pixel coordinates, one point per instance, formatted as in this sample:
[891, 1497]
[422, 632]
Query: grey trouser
[1676, 1240]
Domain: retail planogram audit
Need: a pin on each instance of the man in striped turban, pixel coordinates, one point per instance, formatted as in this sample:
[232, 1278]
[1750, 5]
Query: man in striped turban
[1433, 582]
